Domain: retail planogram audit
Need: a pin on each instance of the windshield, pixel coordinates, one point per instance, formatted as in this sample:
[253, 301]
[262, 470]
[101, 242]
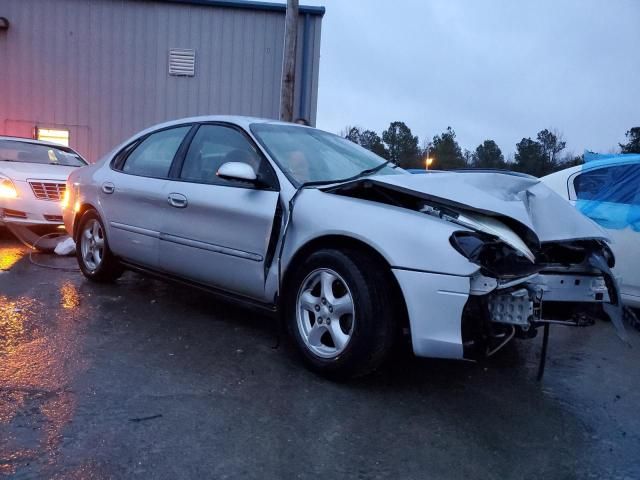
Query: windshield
[310, 155]
[17, 151]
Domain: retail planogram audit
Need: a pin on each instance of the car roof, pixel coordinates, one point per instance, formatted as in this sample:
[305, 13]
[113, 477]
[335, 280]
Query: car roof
[594, 164]
[236, 119]
[242, 121]
[606, 162]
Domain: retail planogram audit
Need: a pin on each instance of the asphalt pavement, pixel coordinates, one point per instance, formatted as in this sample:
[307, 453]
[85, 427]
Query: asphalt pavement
[145, 379]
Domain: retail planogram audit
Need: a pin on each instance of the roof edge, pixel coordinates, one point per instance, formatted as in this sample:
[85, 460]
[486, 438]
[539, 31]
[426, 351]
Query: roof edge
[250, 5]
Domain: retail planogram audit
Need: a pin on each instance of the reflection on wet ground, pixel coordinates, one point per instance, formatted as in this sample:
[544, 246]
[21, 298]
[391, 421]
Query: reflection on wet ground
[152, 380]
[39, 349]
[69, 298]
[11, 251]
[13, 316]
[10, 256]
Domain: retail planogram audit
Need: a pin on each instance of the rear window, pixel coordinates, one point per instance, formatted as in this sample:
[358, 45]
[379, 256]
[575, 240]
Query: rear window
[154, 155]
[23, 152]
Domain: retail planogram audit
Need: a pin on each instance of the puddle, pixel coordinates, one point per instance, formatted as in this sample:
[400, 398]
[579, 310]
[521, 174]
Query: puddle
[40, 356]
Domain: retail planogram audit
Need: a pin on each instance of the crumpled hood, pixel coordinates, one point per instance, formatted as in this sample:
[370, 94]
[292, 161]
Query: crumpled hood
[21, 171]
[523, 199]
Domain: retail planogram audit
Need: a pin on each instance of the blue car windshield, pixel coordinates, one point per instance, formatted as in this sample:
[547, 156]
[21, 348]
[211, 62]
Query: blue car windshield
[309, 155]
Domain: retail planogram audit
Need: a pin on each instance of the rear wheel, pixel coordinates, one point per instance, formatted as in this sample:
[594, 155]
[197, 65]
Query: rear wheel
[92, 250]
[340, 313]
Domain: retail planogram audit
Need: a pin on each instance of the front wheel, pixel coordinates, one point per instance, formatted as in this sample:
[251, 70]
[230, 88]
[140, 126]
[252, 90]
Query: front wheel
[92, 250]
[340, 313]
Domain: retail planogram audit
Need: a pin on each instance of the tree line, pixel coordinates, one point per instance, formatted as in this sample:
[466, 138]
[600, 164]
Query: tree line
[540, 156]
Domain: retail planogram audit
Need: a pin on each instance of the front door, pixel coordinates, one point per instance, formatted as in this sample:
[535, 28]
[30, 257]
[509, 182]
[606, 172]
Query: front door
[217, 232]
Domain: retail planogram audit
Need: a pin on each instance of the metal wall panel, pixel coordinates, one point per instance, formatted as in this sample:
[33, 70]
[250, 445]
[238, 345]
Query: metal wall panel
[100, 67]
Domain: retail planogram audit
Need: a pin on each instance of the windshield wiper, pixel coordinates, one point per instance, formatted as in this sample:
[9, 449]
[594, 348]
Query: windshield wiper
[371, 170]
[363, 173]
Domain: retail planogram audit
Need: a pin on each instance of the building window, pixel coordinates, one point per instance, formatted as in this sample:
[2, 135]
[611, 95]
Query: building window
[53, 135]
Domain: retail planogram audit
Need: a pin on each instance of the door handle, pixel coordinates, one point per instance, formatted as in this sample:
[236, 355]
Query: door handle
[108, 187]
[177, 200]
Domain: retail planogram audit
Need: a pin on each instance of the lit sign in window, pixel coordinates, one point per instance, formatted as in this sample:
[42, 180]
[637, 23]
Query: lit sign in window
[61, 137]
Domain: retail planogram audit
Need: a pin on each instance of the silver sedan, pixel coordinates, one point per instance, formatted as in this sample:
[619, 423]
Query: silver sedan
[352, 252]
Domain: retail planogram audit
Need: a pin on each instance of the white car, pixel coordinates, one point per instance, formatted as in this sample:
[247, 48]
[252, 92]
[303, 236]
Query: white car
[608, 191]
[33, 177]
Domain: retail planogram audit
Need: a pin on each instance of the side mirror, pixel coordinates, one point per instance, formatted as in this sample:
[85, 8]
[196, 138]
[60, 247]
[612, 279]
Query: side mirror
[237, 171]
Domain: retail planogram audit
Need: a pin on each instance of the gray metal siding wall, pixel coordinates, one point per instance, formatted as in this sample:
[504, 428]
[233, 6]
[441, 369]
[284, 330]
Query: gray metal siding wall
[99, 67]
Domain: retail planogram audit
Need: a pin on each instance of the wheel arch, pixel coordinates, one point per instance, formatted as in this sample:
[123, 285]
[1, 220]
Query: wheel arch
[84, 207]
[342, 243]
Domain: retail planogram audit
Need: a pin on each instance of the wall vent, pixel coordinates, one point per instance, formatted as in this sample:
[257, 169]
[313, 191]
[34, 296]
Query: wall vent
[182, 62]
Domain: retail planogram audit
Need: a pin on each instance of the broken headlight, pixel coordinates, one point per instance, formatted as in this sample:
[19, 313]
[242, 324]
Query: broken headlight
[574, 252]
[495, 257]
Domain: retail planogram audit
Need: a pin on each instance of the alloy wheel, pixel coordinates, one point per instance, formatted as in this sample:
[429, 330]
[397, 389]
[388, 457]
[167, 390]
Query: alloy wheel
[92, 245]
[325, 313]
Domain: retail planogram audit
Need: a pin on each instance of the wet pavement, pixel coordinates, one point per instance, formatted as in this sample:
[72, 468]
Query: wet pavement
[144, 379]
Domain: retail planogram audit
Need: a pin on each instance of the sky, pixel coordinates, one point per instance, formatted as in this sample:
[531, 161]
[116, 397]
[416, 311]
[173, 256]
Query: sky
[491, 69]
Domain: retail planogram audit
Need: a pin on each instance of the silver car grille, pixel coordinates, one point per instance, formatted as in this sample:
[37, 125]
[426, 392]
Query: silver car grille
[47, 190]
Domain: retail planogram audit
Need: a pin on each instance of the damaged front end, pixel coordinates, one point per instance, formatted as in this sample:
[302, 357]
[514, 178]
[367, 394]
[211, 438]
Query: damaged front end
[523, 284]
[570, 284]
[540, 262]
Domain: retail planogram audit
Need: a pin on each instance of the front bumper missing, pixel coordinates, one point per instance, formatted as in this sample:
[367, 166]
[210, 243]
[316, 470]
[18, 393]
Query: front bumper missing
[515, 308]
[523, 305]
[468, 317]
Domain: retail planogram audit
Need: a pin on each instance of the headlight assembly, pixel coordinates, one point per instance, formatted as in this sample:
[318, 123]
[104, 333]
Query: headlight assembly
[496, 258]
[7, 188]
[64, 203]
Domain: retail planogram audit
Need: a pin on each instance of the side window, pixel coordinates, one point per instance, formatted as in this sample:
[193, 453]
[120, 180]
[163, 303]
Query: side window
[153, 156]
[616, 184]
[214, 145]
[121, 156]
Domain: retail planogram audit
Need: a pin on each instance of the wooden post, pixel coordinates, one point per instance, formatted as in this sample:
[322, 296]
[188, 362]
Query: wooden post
[289, 62]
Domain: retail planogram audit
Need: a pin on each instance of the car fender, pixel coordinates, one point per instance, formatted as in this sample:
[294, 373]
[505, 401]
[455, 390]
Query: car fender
[85, 187]
[405, 238]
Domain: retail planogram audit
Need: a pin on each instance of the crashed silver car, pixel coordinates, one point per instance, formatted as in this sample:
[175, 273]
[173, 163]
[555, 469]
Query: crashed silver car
[353, 252]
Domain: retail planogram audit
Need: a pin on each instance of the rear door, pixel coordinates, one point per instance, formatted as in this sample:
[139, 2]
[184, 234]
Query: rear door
[610, 195]
[218, 232]
[133, 194]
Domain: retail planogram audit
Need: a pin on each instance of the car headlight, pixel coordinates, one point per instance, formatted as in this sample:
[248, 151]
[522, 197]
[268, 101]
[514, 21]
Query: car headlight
[496, 258]
[7, 188]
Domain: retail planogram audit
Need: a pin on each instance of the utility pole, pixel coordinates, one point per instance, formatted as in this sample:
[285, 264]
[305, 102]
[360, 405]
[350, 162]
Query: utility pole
[289, 61]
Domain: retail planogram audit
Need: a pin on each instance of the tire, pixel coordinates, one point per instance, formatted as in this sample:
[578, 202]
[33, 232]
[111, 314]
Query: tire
[335, 340]
[96, 261]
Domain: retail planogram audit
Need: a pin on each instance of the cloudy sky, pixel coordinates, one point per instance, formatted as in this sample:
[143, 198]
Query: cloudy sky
[496, 69]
